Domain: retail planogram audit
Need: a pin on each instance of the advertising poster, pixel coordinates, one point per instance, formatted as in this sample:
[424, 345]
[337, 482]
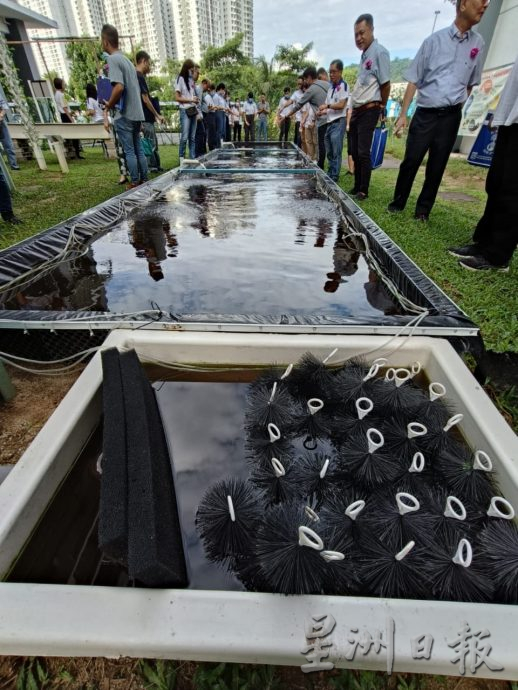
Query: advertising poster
[485, 97]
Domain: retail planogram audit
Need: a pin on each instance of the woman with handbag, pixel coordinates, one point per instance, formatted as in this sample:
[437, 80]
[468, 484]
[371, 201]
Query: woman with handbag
[187, 101]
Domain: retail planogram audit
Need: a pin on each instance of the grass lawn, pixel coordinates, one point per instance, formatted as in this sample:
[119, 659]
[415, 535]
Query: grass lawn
[491, 300]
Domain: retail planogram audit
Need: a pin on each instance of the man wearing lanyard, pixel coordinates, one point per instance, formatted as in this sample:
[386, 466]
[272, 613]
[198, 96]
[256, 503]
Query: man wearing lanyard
[335, 108]
[444, 71]
[368, 99]
[496, 235]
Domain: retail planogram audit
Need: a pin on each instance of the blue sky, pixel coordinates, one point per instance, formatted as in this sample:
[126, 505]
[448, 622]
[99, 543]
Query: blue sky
[400, 25]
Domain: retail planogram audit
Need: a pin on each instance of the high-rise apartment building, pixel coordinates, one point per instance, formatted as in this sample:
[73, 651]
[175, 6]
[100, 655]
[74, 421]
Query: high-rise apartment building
[51, 57]
[164, 28]
[149, 21]
[202, 23]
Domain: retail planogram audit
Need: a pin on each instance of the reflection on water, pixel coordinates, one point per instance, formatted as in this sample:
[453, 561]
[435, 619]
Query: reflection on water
[260, 244]
[203, 423]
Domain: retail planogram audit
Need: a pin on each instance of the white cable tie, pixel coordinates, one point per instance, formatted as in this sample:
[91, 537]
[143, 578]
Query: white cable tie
[330, 556]
[311, 514]
[418, 463]
[455, 509]
[363, 407]
[315, 405]
[274, 391]
[416, 429]
[278, 468]
[494, 511]
[231, 509]
[482, 462]
[330, 356]
[373, 444]
[464, 554]
[307, 537]
[405, 551]
[436, 390]
[411, 506]
[355, 509]
[274, 433]
[452, 421]
[288, 371]
[324, 469]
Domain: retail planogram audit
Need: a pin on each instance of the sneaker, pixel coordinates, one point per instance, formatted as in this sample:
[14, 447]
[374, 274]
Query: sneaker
[394, 208]
[479, 263]
[467, 251]
[15, 167]
[421, 217]
[361, 196]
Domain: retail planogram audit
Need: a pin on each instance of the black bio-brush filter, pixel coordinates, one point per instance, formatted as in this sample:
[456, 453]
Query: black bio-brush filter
[370, 490]
[139, 523]
[155, 548]
[113, 511]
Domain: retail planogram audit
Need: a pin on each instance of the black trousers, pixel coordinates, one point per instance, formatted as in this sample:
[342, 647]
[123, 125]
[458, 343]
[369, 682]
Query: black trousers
[200, 139]
[432, 130]
[285, 130]
[249, 128]
[237, 131]
[296, 137]
[361, 130]
[321, 132]
[497, 230]
[6, 208]
[75, 142]
[209, 120]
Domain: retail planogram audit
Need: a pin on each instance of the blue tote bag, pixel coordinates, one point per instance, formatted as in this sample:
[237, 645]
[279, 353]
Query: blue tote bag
[379, 141]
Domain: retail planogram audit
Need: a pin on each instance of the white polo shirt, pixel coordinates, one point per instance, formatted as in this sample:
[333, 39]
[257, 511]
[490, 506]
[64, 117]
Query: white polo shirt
[337, 93]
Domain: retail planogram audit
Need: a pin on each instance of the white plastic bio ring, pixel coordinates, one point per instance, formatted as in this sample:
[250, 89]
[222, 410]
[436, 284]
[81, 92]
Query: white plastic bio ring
[416, 429]
[288, 371]
[507, 513]
[330, 556]
[452, 421]
[311, 514]
[407, 503]
[278, 468]
[315, 405]
[363, 407]
[418, 463]
[324, 469]
[274, 433]
[401, 376]
[455, 509]
[373, 371]
[435, 391]
[416, 368]
[482, 462]
[231, 508]
[405, 551]
[309, 538]
[355, 509]
[464, 554]
[375, 440]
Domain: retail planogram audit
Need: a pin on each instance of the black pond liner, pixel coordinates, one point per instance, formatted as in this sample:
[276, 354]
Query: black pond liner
[445, 319]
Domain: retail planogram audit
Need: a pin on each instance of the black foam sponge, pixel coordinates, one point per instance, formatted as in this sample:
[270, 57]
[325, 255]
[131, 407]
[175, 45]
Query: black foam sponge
[113, 517]
[155, 550]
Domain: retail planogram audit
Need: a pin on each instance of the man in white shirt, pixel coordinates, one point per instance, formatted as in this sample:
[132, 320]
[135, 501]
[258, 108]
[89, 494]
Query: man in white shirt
[63, 110]
[249, 111]
[295, 98]
[283, 114]
[335, 108]
[496, 235]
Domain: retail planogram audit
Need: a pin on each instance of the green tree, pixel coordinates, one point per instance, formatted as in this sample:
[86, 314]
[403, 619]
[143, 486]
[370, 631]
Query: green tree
[292, 59]
[86, 58]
